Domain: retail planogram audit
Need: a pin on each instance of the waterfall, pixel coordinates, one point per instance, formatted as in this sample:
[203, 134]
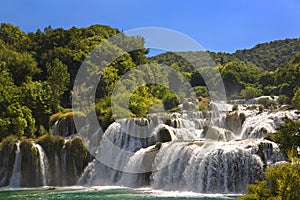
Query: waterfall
[140, 164]
[64, 167]
[205, 152]
[43, 163]
[16, 174]
[258, 125]
[57, 167]
[194, 151]
[210, 167]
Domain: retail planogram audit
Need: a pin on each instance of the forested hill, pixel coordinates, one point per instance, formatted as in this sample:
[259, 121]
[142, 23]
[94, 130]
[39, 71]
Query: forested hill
[38, 69]
[267, 56]
[270, 55]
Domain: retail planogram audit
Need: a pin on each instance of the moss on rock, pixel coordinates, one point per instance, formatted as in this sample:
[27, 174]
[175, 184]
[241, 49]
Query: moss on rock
[234, 121]
[164, 135]
[211, 133]
[7, 159]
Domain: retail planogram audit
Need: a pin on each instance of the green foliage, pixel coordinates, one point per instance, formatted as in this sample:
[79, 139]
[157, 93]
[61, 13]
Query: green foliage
[282, 99]
[250, 92]
[203, 106]
[201, 91]
[296, 99]
[287, 135]
[37, 73]
[266, 102]
[14, 37]
[269, 56]
[21, 65]
[141, 101]
[17, 120]
[57, 81]
[235, 107]
[237, 75]
[287, 77]
[282, 182]
[170, 100]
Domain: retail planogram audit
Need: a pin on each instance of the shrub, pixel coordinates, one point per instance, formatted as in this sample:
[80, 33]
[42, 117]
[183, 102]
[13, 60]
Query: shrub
[296, 99]
[266, 102]
[282, 99]
[282, 182]
[203, 106]
[251, 92]
[177, 109]
[261, 107]
[288, 135]
[235, 107]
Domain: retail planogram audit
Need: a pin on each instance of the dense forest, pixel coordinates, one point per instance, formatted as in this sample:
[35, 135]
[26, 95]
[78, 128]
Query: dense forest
[38, 70]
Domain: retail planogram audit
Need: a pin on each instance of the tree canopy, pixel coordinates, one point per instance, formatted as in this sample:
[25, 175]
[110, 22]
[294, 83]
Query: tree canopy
[38, 70]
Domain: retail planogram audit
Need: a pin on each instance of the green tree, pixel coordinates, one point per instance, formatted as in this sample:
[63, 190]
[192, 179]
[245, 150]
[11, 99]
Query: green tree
[57, 82]
[250, 92]
[282, 182]
[14, 37]
[21, 66]
[18, 120]
[287, 135]
[296, 99]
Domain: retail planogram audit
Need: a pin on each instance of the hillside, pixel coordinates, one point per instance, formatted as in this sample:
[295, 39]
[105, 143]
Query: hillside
[267, 56]
[270, 55]
[38, 71]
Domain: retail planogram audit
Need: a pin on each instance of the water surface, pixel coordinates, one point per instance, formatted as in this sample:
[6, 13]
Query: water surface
[105, 193]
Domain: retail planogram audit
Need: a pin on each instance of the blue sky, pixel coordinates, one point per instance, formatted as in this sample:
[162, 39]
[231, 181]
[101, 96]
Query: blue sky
[218, 25]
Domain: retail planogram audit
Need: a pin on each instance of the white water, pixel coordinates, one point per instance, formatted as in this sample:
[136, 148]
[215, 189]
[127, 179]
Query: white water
[43, 163]
[218, 161]
[192, 161]
[15, 179]
[258, 125]
[214, 167]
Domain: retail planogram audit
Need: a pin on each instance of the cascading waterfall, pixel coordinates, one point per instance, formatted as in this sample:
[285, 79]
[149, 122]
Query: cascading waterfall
[16, 174]
[206, 152]
[29, 164]
[198, 152]
[211, 167]
[43, 163]
[258, 125]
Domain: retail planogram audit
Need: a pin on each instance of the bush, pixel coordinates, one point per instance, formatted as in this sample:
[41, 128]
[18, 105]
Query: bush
[270, 90]
[201, 91]
[235, 107]
[296, 99]
[203, 106]
[282, 182]
[251, 92]
[282, 99]
[177, 109]
[261, 107]
[266, 102]
[288, 135]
